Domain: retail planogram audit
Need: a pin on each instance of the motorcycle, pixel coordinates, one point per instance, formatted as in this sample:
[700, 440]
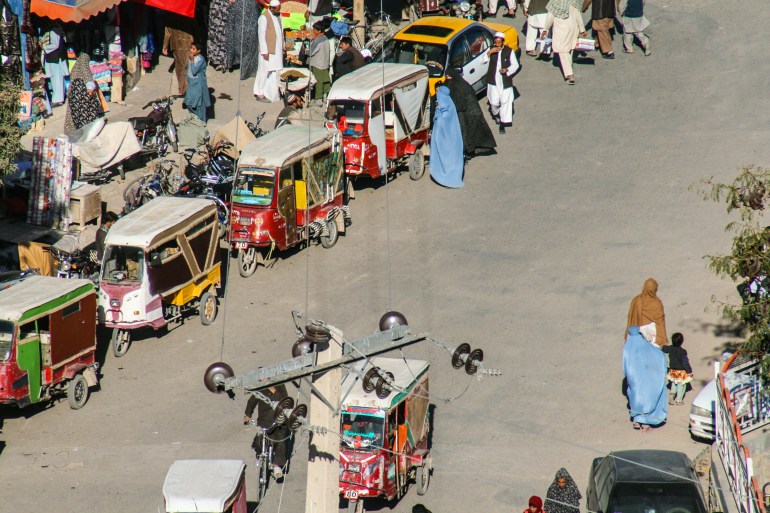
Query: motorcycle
[257, 130]
[157, 128]
[72, 262]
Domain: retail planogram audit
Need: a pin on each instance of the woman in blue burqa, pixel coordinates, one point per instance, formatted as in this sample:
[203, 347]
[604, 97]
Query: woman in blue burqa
[645, 368]
[446, 142]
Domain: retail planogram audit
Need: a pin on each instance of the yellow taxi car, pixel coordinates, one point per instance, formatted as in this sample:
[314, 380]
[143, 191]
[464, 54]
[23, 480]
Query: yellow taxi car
[442, 42]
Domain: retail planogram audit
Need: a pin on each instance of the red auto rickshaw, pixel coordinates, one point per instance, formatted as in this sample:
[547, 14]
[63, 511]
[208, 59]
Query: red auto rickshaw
[383, 112]
[384, 428]
[288, 188]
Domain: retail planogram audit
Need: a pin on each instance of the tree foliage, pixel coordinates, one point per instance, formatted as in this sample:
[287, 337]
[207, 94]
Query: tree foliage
[10, 135]
[748, 264]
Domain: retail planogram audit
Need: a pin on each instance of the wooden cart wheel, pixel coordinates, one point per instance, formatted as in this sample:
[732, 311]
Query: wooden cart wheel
[247, 261]
[423, 479]
[208, 308]
[416, 165]
[77, 392]
[334, 234]
[120, 342]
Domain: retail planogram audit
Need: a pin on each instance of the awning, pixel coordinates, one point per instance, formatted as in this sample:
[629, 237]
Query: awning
[183, 7]
[70, 10]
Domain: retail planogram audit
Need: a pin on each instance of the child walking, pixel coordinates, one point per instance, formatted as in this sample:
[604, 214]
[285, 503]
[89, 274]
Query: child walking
[679, 370]
[634, 23]
[197, 98]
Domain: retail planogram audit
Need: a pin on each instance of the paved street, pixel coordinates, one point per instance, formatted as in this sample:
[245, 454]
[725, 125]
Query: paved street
[535, 261]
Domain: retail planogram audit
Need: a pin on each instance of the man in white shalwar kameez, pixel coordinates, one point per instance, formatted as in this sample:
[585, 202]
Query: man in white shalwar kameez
[502, 65]
[271, 48]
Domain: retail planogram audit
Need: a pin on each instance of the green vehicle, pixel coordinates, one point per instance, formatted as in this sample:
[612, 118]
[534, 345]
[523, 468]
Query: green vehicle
[47, 341]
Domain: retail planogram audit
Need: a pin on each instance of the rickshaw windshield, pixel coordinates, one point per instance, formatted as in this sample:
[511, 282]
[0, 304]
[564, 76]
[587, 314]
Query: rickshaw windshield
[6, 340]
[413, 52]
[363, 430]
[123, 265]
[353, 111]
[254, 186]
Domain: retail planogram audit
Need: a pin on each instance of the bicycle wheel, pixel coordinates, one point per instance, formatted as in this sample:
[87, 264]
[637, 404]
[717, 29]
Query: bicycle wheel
[263, 477]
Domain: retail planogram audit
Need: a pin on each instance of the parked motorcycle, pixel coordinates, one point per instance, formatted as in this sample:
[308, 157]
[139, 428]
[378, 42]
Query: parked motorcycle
[255, 128]
[157, 128]
[73, 262]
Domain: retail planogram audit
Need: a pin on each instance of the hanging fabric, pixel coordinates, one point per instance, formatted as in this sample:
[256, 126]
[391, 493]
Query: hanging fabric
[49, 193]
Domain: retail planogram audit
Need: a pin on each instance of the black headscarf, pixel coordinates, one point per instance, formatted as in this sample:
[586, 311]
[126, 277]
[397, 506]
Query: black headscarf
[474, 127]
[562, 500]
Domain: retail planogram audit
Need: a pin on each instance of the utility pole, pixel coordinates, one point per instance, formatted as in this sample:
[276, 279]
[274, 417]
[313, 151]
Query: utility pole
[358, 15]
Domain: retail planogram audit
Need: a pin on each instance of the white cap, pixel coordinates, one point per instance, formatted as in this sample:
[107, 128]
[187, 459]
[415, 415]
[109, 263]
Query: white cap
[275, 3]
[497, 34]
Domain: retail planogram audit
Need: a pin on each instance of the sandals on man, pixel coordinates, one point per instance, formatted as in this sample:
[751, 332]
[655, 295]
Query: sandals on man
[570, 80]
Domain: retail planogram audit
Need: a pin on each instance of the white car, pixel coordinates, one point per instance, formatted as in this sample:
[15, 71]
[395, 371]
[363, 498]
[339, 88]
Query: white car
[702, 423]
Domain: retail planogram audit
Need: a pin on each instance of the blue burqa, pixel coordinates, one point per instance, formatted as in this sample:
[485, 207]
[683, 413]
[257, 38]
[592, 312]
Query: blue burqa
[644, 365]
[446, 143]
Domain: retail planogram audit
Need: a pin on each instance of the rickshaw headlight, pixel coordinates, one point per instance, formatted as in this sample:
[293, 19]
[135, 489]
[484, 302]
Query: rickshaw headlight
[114, 303]
[370, 468]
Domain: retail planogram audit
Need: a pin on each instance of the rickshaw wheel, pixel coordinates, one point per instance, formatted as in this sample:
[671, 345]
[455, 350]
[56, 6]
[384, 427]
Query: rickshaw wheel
[77, 392]
[334, 234]
[120, 342]
[247, 261]
[208, 308]
[416, 165]
[423, 479]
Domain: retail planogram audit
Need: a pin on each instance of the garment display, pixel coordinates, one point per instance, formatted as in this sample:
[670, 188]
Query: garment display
[10, 46]
[49, 192]
[242, 40]
[217, 30]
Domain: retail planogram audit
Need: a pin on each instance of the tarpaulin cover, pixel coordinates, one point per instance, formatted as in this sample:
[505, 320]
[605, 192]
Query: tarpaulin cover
[183, 7]
[236, 132]
[71, 10]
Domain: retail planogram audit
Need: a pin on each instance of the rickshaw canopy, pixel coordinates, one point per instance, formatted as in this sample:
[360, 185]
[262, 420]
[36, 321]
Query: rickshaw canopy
[37, 294]
[284, 144]
[406, 374]
[201, 485]
[156, 221]
[363, 83]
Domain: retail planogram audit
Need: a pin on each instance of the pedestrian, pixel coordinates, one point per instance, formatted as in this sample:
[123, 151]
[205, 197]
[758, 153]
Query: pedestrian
[446, 142]
[535, 505]
[55, 63]
[645, 369]
[536, 14]
[679, 370]
[83, 103]
[634, 23]
[178, 39]
[241, 38]
[646, 308]
[563, 495]
[271, 47]
[108, 219]
[276, 432]
[197, 99]
[602, 20]
[320, 61]
[502, 65]
[294, 103]
[567, 23]
[349, 60]
[473, 126]
[512, 5]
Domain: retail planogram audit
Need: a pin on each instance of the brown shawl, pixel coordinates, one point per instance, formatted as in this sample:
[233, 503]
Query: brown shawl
[270, 32]
[647, 308]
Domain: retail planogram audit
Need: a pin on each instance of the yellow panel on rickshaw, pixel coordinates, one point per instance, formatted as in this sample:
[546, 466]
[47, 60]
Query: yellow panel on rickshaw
[300, 192]
[195, 290]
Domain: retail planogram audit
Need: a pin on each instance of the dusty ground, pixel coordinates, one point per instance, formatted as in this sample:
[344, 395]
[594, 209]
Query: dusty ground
[535, 261]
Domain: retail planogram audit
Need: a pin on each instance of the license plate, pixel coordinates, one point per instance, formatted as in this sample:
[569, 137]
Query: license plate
[241, 245]
[354, 468]
[351, 494]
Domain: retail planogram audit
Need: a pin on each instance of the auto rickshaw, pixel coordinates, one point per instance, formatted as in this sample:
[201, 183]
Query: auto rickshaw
[383, 112]
[47, 341]
[207, 486]
[160, 262]
[384, 423]
[288, 188]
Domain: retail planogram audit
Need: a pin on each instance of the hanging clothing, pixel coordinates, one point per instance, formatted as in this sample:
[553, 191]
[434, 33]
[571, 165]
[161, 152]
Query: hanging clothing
[446, 143]
[562, 499]
[271, 44]
[644, 366]
[474, 127]
[216, 44]
[10, 46]
[242, 40]
[646, 308]
[499, 84]
[197, 97]
[55, 63]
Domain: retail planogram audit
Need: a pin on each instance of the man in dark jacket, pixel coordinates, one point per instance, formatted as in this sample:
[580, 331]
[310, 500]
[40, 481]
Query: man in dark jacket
[349, 60]
[277, 433]
[108, 220]
[502, 65]
[602, 20]
[473, 125]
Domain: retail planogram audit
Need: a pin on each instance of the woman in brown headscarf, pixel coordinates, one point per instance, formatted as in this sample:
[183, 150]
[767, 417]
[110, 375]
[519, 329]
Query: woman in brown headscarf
[647, 308]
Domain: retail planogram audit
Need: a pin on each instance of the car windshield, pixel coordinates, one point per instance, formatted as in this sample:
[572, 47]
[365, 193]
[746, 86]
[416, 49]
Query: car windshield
[6, 340]
[411, 52]
[123, 265]
[353, 111]
[254, 186]
[363, 430]
[656, 498]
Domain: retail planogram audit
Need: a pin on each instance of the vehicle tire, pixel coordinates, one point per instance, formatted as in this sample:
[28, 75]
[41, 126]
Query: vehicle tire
[423, 479]
[120, 342]
[77, 392]
[356, 506]
[334, 234]
[416, 165]
[247, 261]
[208, 308]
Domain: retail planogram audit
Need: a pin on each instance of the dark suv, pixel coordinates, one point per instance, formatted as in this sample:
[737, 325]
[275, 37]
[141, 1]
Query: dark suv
[644, 481]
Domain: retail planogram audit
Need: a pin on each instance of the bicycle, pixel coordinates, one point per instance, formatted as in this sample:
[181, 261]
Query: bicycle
[265, 460]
